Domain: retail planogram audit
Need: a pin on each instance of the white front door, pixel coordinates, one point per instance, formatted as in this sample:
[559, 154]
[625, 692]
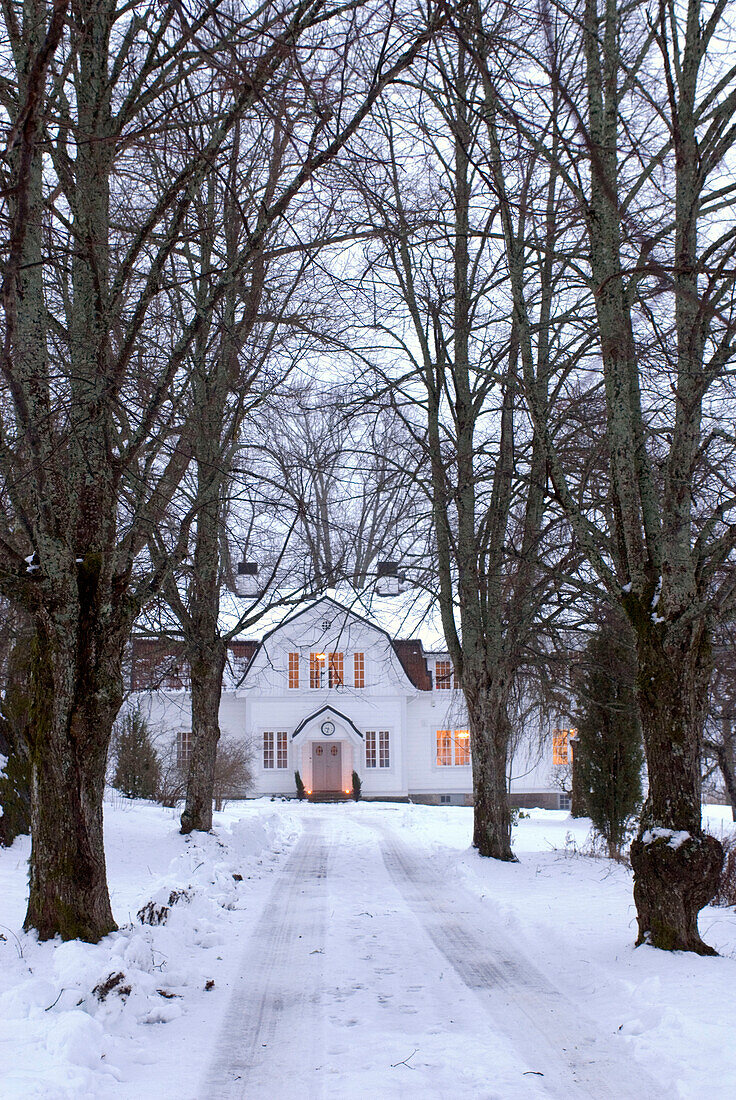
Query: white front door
[326, 766]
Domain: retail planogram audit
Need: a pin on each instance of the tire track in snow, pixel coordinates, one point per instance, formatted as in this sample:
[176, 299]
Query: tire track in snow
[268, 1006]
[522, 1003]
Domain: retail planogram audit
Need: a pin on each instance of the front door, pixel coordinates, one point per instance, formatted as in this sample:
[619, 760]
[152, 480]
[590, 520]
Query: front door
[326, 766]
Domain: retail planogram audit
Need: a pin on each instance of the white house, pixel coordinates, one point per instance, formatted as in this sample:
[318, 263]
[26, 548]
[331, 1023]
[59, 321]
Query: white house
[328, 692]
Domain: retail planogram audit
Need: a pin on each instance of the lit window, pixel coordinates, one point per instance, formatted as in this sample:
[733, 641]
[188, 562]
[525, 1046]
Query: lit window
[268, 753]
[444, 676]
[444, 748]
[453, 748]
[293, 670]
[317, 662]
[359, 670]
[561, 746]
[462, 747]
[370, 748]
[384, 759]
[281, 750]
[336, 670]
[183, 748]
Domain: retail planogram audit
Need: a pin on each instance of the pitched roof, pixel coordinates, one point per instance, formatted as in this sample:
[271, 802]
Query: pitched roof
[410, 652]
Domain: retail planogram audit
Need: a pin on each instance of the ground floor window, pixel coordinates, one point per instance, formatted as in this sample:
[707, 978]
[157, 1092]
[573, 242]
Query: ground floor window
[275, 754]
[183, 748]
[377, 749]
[561, 746]
[453, 748]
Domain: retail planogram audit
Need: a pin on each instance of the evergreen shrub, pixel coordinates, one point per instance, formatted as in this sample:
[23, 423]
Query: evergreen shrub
[137, 766]
[609, 752]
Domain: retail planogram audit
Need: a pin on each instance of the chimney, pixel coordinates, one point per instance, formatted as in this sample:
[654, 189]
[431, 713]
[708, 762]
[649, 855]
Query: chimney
[387, 578]
[246, 581]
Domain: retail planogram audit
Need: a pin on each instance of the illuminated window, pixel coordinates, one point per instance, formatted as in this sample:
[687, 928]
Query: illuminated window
[336, 670]
[462, 747]
[293, 670]
[359, 670]
[561, 746]
[317, 663]
[370, 748]
[274, 749]
[384, 760]
[444, 676]
[183, 748]
[444, 748]
[453, 748]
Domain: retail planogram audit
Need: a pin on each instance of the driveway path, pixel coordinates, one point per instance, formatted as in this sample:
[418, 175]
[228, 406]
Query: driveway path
[367, 976]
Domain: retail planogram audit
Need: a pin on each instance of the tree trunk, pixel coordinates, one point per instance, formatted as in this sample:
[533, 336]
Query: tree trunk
[577, 801]
[76, 693]
[489, 737]
[726, 756]
[676, 866]
[206, 673]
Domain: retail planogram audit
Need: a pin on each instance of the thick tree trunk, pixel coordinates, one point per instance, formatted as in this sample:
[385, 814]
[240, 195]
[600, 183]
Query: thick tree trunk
[489, 736]
[676, 866]
[76, 693]
[206, 674]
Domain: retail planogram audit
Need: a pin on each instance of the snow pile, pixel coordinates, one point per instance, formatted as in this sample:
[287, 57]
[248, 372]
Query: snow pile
[76, 1017]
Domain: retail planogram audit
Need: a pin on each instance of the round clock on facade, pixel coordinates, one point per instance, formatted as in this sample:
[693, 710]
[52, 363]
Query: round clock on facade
[328, 728]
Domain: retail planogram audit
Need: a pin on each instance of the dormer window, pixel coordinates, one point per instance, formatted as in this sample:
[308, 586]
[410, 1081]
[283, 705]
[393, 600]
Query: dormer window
[444, 676]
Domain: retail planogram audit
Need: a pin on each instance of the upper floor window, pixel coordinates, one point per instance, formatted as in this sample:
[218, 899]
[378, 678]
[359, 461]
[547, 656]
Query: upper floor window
[359, 670]
[453, 748]
[336, 670]
[275, 752]
[183, 748]
[317, 664]
[444, 676]
[561, 746]
[293, 670]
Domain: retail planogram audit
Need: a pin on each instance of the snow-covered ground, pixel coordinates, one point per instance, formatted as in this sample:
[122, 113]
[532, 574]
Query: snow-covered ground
[359, 950]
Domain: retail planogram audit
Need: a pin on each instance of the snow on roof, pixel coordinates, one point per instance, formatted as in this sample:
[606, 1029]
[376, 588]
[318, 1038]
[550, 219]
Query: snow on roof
[411, 614]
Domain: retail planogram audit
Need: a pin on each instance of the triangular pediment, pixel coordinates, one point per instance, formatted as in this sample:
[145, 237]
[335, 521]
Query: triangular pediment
[322, 715]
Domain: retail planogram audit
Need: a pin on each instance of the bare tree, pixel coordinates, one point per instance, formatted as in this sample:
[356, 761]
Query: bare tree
[437, 283]
[98, 427]
[630, 117]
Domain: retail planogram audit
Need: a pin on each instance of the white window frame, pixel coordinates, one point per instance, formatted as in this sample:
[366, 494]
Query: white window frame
[275, 750]
[378, 749]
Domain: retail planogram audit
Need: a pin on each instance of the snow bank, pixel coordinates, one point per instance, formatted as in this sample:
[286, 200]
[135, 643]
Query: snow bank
[83, 1019]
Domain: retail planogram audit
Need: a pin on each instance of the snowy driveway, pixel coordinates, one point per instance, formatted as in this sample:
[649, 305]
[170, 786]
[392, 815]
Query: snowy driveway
[368, 976]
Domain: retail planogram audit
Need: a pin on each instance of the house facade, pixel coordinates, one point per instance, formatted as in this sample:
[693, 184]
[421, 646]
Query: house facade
[327, 693]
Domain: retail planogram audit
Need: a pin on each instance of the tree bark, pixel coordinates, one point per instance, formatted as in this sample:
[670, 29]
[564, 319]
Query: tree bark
[206, 681]
[676, 865]
[76, 687]
[490, 733]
